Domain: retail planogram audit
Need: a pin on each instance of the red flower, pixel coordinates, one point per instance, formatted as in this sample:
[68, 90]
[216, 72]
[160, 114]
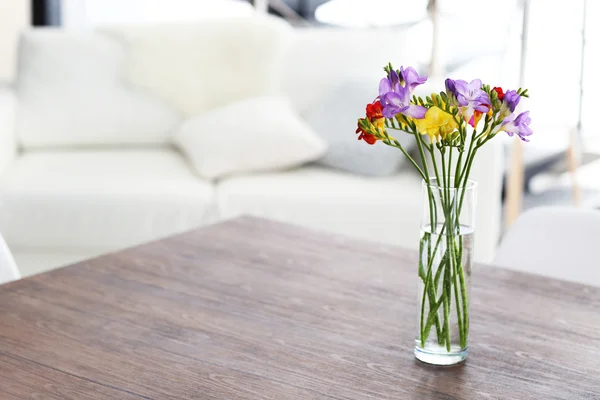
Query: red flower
[500, 93]
[374, 111]
[367, 137]
[374, 119]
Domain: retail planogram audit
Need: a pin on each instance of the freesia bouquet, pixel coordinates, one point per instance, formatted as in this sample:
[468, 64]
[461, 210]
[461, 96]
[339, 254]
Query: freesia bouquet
[449, 128]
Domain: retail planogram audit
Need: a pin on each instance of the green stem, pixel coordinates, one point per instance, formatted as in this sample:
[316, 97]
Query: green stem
[438, 275]
[446, 264]
[459, 266]
[467, 173]
[458, 261]
[397, 144]
[464, 297]
[432, 205]
[448, 267]
[422, 273]
[421, 152]
[429, 289]
[458, 165]
[462, 174]
[433, 312]
[434, 162]
[446, 299]
[437, 177]
[425, 295]
[426, 291]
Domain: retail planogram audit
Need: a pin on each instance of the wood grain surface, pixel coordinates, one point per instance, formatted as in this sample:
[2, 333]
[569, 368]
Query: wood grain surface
[253, 309]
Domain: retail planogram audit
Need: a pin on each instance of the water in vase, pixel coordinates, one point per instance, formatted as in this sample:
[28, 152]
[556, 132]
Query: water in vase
[444, 293]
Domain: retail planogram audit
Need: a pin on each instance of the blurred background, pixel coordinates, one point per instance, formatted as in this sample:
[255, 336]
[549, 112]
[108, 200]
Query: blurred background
[561, 52]
[552, 48]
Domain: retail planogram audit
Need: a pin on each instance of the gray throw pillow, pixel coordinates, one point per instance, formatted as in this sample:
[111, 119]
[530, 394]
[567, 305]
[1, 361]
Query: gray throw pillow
[334, 118]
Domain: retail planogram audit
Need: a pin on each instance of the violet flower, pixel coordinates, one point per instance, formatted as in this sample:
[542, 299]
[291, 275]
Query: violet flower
[509, 103]
[398, 102]
[389, 84]
[470, 96]
[450, 87]
[395, 91]
[517, 125]
[411, 78]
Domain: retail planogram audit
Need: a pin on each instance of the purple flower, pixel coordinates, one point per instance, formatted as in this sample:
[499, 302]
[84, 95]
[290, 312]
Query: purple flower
[408, 78]
[450, 87]
[470, 96]
[395, 90]
[389, 84]
[398, 102]
[518, 125]
[509, 103]
[411, 78]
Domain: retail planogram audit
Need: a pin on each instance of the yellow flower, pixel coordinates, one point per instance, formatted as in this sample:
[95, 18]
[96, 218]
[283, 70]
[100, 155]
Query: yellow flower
[379, 123]
[437, 123]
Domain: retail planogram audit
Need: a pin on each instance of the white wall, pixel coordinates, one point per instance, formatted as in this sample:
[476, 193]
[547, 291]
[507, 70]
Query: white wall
[89, 13]
[14, 17]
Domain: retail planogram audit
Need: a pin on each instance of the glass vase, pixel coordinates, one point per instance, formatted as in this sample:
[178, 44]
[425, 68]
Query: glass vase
[445, 257]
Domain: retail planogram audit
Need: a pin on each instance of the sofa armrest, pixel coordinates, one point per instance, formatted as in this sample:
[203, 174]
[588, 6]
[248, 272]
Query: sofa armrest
[8, 111]
[487, 171]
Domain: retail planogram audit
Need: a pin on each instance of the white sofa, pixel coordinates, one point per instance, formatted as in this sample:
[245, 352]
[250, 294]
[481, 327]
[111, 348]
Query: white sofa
[87, 166]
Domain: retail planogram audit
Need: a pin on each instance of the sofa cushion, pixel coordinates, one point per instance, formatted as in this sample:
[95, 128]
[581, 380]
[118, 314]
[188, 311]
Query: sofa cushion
[71, 93]
[99, 198]
[199, 66]
[379, 209]
[256, 134]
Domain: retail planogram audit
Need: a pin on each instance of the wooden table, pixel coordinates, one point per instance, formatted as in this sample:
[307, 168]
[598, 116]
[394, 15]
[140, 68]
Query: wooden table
[252, 309]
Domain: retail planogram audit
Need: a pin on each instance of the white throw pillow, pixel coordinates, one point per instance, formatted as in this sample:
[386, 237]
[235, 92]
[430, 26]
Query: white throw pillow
[334, 119]
[256, 134]
[197, 66]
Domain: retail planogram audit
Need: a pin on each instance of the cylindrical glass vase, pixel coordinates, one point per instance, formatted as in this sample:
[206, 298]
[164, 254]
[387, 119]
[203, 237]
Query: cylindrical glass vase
[446, 253]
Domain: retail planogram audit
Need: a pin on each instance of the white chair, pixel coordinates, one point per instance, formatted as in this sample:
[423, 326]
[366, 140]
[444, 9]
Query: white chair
[8, 267]
[560, 242]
